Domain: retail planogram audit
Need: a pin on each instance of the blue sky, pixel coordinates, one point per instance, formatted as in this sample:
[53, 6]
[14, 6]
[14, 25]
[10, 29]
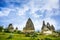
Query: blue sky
[17, 12]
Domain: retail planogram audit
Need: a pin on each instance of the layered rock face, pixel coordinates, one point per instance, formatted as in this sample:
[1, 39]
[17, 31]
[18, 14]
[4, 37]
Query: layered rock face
[29, 26]
[47, 28]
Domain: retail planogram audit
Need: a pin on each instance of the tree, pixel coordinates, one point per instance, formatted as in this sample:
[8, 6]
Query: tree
[1, 28]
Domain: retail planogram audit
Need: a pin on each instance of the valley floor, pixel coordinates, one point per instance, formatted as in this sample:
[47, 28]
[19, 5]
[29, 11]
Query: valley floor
[7, 36]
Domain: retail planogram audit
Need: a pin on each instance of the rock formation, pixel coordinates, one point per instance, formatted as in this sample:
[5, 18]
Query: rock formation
[29, 26]
[47, 29]
[10, 28]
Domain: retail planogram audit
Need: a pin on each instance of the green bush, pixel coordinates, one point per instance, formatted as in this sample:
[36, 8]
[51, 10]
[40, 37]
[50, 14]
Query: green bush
[19, 32]
[10, 36]
[27, 34]
[47, 39]
[1, 28]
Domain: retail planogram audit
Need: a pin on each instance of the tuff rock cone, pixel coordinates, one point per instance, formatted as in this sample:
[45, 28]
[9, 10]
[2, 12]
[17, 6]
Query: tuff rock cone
[29, 26]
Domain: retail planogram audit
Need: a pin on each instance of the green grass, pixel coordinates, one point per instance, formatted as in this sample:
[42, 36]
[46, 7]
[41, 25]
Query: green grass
[23, 37]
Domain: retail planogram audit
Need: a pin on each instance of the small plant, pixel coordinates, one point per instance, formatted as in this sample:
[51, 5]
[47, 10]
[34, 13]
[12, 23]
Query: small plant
[37, 39]
[33, 36]
[10, 36]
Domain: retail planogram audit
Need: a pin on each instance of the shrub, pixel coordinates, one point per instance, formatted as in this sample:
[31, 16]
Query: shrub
[47, 39]
[1, 28]
[27, 34]
[10, 36]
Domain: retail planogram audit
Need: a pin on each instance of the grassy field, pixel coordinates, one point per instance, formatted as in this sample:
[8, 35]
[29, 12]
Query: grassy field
[6, 36]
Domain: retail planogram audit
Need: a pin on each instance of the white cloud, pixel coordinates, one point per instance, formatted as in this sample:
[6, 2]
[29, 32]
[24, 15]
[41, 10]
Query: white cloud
[22, 11]
[43, 5]
[36, 15]
[50, 4]
[35, 5]
[5, 12]
[37, 24]
[20, 25]
[53, 12]
[17, 10]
